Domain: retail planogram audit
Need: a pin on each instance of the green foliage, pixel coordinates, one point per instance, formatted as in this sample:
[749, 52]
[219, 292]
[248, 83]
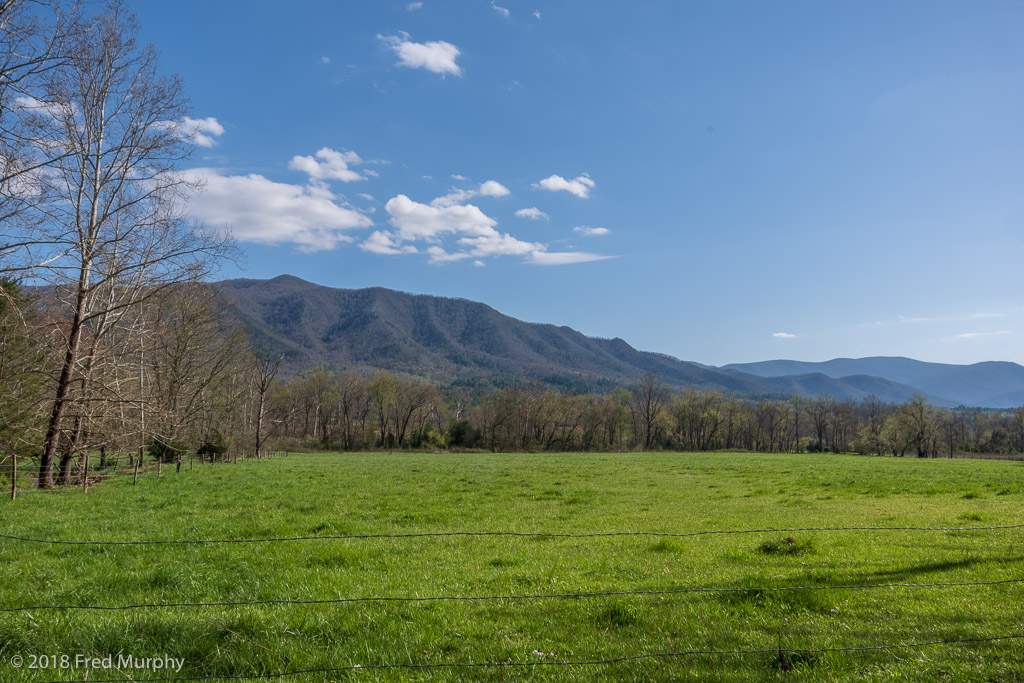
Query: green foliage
[167, 450]
[214, 445]
[462, 435]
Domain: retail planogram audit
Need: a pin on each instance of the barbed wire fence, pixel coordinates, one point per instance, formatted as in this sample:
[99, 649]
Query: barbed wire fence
[14, 473]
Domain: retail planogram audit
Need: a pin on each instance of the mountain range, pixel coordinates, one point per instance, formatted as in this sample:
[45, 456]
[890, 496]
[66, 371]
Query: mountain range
[466, 343]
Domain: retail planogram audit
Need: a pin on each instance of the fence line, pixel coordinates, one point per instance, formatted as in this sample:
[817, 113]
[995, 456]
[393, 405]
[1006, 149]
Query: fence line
[780, 651]
[481, 598]
[513, 534]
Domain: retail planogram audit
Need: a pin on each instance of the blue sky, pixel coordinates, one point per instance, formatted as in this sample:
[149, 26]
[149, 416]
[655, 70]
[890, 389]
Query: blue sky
[722, 182]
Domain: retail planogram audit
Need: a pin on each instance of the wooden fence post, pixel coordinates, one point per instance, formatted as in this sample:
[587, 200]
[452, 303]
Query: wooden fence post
[85, 473]
[159, 468]
[135, 480]
[14, 477]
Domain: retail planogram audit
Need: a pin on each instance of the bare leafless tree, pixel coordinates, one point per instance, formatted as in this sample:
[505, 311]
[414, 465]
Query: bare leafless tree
[648, 398]
[263, 373]
[113, 219]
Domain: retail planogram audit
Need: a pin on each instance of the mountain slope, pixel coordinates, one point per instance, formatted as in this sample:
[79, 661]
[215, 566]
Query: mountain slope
[460, 341]
[989, 385]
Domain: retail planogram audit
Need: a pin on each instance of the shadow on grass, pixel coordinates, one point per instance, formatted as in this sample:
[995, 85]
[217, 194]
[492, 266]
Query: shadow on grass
[925, 569]
[812, 599]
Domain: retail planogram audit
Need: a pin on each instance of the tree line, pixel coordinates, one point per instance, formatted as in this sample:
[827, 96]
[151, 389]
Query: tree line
[349, 411]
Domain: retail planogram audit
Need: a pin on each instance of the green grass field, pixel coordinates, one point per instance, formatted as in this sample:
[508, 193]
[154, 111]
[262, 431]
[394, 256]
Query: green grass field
[330, 494]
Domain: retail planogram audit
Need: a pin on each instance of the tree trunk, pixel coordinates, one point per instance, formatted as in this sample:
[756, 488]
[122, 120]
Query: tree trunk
[63, 388]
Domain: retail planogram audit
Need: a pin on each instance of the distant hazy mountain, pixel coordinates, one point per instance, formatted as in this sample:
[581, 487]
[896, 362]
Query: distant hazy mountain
[459, 341]
[991, 384]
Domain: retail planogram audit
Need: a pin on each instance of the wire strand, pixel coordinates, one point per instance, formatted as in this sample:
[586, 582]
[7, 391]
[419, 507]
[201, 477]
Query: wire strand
[511, 534]
[481, 598]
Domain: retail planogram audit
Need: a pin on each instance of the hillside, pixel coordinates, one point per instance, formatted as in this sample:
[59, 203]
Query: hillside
[469, 343]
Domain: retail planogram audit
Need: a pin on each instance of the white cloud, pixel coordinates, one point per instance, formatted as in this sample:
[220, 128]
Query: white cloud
[439, 255]
[579, 186]
[437, 55]
[475, 233]
[560, 258]
[200, 132]
[325, 60]
[366, 196]
[457, 176]
[381, 242]
[413, 6]
[591, 232]
[536, 14]
[418, 221]
[203, 131]
[492, 188]
[533, 213]
[479, 264]
[503, 11]
[784, 335]
[57, 110]
[456, 196]
[332, 165]
[259, 210]
[499, 243]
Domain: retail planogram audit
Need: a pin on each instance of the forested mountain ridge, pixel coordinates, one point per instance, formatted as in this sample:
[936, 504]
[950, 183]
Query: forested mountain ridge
[469, 343]
[992, 384]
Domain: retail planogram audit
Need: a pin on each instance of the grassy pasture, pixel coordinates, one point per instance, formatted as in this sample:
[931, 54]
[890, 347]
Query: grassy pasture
[571, 493]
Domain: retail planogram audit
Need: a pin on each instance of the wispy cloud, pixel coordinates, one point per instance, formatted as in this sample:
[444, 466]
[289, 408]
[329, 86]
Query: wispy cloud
[976, 335]
[503, 11]
[325, 60]
[437, 55]
[533, 213]
[536, 14]
[490, 188]
[579, 186]
[413, 6]
[591, 232]
[784, 335]
[561, 258]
